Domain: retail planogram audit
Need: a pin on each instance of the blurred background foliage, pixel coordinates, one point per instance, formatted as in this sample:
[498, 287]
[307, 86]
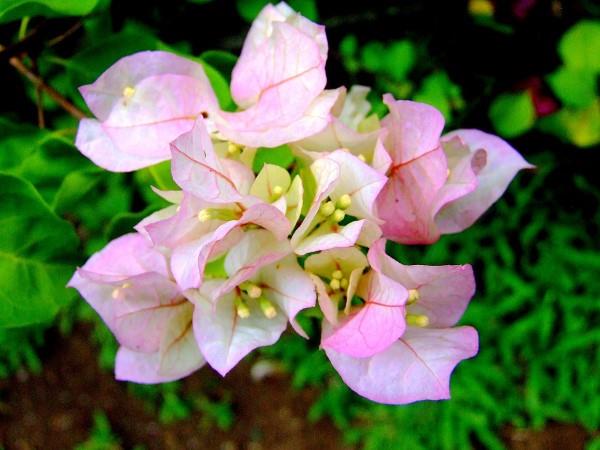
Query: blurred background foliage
[525, 69]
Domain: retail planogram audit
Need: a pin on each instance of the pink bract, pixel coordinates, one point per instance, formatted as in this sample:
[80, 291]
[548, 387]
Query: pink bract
[461, 174]
[142, 102]
[411, 364]
[278, 81]
[222, 335]
[416, 367]
[127, 283]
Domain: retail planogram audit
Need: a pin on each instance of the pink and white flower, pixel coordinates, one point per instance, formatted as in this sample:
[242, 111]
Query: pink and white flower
[439, 185]
[128, 284]
[251, 308]
[400, 347]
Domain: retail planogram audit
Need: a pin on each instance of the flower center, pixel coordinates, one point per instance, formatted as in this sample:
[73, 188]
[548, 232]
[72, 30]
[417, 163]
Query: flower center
[335, 211]
[249, 292]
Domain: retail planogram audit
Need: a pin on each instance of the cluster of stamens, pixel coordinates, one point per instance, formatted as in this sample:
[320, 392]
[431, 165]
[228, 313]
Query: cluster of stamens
[338, 281]
[248, 291]
[336, 211]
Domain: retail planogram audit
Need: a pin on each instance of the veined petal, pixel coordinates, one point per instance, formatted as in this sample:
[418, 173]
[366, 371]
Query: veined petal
[267, 125]
[198, 170]
[494, 173]
[414, 129]
[256, 249]
[143, 102]
[281, 51]
[360, 181]
[224, 338]
[444, 291]
[329, 236]
[126, 256]
[416, 367]
[177, 357]
[127, 149]
[377, 325]
[407, 201]
[189, 260]
[290, 287]
[326, 173]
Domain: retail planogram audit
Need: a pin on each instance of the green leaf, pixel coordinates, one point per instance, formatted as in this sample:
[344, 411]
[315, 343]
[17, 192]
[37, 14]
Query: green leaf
[348, 50]
[280, 156]
[16, 9]
[308, 8]
[399, 59]
[437, 90]
[222, 61]
[161, 174]
[578, 126]
[34, 245]
[574, 87]
[512, 114]
[74, 187]
[372, 56]
[579, 47]
[124, 222]
[219, 85]
[41, 157]
[249, 9]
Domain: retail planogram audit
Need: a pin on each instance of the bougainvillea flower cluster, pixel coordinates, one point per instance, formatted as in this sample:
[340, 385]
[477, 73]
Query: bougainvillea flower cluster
[238, 254]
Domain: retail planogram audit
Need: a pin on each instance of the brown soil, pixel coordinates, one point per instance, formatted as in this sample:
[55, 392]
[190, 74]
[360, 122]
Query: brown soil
[555, 436]
[54, 410]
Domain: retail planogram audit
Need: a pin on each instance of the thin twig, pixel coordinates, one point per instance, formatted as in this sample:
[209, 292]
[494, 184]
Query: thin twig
[39, 102]
[38, 82]
[61, 37]
[39, 99]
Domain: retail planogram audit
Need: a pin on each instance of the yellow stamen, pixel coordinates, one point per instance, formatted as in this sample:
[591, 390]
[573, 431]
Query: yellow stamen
[252, 290]
[344, 283]
[337, 274]
[204, 215]
[327, 209]
[267, 308]
[334, 284]
[338, 215]
[128, 92]
[241, 308]
[232, 148]
[277, 192]
[344, 201]
[413, 296]
[417, 320]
